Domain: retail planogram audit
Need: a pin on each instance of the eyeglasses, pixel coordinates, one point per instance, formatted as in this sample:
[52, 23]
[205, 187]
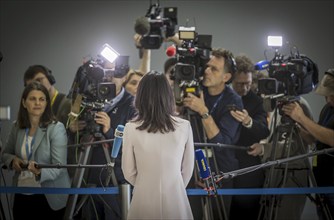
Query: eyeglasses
[242, 84]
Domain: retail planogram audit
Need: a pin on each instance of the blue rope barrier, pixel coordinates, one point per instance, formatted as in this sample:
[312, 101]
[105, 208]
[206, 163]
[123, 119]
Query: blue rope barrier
[190, 192]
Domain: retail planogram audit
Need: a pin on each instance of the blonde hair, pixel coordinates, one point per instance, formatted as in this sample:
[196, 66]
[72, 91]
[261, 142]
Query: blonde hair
[131, 73]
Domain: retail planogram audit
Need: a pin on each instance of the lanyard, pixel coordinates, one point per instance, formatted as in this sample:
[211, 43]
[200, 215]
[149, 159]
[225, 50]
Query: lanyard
[29, 148]
[54, 98]
[216, 103]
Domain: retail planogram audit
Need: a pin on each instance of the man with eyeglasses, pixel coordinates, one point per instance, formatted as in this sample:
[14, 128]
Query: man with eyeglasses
[217, 123]
[255, 128]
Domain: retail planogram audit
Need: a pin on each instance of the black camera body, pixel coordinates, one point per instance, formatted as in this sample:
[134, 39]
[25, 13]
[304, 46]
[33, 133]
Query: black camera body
[89, 115]
[291, 76]
[192, 57]
[161, 25]
[91, 84]
[288, 79]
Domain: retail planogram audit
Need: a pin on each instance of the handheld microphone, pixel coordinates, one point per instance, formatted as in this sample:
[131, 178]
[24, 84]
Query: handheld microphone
[117, 143]
[261, 65]
[205, 172]
[171, 51]
[142, 26]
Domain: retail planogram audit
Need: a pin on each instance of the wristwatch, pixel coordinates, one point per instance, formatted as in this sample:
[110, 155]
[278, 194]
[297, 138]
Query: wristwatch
[205, 115]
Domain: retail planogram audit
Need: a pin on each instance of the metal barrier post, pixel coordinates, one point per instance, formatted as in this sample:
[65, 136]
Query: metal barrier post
[126, 197]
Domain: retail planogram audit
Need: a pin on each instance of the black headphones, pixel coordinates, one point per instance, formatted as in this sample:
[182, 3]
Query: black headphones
[48, 74]
[230, 60]
[330, 72]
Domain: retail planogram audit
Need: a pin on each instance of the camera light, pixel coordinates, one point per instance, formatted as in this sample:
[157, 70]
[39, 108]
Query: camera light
[275, 41]
[109, 53]
[187, 33]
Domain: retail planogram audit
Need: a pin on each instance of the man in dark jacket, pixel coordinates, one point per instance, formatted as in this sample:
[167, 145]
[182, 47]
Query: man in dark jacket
[255, 128]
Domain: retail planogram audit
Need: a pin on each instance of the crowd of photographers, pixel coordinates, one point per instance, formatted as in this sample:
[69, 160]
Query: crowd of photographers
[219, 95]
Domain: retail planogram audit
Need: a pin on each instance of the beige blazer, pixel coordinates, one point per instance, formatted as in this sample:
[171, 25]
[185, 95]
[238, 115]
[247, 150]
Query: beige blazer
[159, 166]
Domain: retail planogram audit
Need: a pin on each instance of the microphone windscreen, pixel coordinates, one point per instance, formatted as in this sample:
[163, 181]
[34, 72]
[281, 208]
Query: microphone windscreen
[142, 26]
[117, 141]
[171, 51]
[202, 164]
[261, 65]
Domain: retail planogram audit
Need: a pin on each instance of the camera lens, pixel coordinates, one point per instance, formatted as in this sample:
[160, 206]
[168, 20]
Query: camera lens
[187, 71]
[104, 90]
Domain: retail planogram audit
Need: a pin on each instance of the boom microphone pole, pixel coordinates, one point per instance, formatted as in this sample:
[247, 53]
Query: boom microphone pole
[91, 143]
[235, 147]
[59, 166]
[245, 170]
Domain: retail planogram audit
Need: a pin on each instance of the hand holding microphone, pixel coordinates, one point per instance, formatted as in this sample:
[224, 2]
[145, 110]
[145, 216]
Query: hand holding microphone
[205, 173]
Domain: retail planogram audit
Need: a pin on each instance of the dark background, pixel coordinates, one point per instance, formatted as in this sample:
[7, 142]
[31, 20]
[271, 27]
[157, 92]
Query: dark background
[59, 34]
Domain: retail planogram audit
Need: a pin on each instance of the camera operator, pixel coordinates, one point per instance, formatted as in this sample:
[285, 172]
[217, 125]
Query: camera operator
[218, 123]
[298, 171]
[322, 132]
[255, 128]
[116, 112]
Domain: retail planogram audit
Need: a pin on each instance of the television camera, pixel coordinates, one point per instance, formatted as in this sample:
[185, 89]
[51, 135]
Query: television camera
[289, 76]
[156, 26]
[91, 88]
[192, 57]
[292, 76]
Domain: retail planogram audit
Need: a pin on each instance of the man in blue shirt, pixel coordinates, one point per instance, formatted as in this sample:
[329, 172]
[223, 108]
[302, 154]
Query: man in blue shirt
[212, 106]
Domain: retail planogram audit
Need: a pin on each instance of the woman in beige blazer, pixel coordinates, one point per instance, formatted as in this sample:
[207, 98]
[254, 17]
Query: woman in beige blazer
[158, 153]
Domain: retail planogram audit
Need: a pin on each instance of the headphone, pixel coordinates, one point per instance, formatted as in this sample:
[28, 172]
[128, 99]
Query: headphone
[48, 74]
[230, 60]
[46, 71]
[330, 72]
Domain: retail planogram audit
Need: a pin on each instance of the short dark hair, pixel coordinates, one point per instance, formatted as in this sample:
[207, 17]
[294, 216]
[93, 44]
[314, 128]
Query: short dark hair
[244, 64]
[230, 66]
[33, 70]
[23, 117]
[155, 103]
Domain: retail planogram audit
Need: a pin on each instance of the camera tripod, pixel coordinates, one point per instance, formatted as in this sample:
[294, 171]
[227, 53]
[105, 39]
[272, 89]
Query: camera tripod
[206, 202]
[72, 207]
[288, 133]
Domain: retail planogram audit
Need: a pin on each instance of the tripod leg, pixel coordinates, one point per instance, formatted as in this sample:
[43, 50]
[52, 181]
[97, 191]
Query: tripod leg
[319, 198]
[80, 204]
[76, 183]
[269, 203]
[110, 170]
